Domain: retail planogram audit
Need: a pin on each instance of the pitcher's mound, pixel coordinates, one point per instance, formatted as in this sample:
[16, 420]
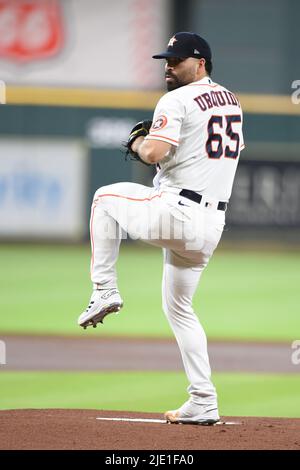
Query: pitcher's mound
[80, 429]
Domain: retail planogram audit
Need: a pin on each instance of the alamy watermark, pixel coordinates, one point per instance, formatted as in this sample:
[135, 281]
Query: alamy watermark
[2, 92]
[295, 357]
[295, 97]
[184, 224]
[2, 353]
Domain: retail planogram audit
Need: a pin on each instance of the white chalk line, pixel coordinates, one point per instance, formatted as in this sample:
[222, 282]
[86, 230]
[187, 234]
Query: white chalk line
[161, 421]
[135, 420]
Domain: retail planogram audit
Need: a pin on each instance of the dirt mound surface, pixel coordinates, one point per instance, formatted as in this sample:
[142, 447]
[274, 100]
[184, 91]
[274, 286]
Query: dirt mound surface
[80, 429]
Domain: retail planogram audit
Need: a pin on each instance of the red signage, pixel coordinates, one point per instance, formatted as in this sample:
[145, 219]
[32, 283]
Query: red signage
[30, 29]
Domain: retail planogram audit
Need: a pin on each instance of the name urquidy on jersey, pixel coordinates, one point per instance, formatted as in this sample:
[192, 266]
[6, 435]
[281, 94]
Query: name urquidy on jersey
[216, 99]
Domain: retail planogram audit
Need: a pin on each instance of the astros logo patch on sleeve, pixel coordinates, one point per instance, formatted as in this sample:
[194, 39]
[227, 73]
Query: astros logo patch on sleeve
[159, 123]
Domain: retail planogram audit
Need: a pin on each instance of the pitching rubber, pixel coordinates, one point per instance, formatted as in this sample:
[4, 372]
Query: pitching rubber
[164, 421]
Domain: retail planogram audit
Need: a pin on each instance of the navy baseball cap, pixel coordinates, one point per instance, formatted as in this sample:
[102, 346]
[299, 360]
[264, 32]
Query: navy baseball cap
[186, 44]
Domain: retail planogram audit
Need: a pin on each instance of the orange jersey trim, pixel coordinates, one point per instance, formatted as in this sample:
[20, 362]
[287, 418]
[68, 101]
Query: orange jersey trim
[129, 198]
[162, 137]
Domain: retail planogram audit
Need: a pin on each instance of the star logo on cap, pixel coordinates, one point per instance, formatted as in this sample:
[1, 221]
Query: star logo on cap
[172, 40]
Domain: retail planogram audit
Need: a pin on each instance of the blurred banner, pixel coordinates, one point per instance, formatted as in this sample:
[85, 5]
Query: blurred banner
[30, 30]
[42, 189]
[266, 194]
[82, 42]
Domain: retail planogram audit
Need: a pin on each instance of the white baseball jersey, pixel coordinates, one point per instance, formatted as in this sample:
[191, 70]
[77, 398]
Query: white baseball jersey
[203, 122]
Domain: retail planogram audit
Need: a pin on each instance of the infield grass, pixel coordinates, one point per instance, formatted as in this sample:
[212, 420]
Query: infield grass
[242, 295]
[239, 394]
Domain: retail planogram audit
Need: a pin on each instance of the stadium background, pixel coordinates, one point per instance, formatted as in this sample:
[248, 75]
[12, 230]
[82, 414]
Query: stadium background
[77, 77]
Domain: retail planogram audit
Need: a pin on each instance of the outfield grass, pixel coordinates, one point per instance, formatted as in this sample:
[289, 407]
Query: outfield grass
[242, 295]
[239, 394]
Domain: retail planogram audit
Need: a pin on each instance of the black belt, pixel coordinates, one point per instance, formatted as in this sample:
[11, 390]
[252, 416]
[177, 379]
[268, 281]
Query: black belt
[222, 206]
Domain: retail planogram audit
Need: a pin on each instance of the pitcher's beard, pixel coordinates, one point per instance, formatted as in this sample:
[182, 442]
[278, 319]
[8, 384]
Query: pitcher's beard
[174, 83]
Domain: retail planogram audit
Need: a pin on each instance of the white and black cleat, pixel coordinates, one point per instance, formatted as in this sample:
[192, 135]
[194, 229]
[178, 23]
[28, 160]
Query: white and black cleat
[102, 303]
[191, 413]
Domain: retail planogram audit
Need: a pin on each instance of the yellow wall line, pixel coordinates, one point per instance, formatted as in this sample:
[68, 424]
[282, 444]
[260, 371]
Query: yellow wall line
[123, 99]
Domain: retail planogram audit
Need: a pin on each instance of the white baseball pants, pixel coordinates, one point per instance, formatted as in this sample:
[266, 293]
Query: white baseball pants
[189, 233]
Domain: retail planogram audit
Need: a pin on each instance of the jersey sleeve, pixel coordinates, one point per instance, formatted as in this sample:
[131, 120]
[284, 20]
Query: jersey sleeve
[167, 120]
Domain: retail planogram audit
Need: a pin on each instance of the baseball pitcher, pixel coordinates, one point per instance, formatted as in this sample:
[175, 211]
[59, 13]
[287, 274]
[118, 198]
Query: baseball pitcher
[195, 141]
